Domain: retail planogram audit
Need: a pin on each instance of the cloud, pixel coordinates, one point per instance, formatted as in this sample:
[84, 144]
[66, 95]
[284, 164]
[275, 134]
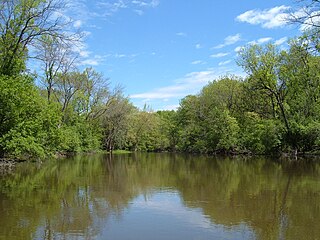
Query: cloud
[308, 17]
[77, 24]
[281, 41]
[198, 46]
[86, 57]
[139, 12]
[181, 34]
[229, 41]
[260, 41]
[171, 107]
[81, 48]
[224, 63]
[191, 83]
[121, 56]
[239, 48]
[153, 3]
[267, 18]
[219, 55]
[109, 8]
[92, 61]
[197, 62]
[140, 3]
[84, 53]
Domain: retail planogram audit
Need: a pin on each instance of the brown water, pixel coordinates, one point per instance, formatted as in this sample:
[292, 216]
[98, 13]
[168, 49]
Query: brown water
[161, 196]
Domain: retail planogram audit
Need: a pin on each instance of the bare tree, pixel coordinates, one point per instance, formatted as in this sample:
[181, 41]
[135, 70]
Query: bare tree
[307, 15]
[56, 56]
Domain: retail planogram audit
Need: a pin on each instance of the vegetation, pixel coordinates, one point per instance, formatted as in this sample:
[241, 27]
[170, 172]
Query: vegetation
[274, 109]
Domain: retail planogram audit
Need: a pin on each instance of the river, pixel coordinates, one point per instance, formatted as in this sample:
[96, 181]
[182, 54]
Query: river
[161, 196]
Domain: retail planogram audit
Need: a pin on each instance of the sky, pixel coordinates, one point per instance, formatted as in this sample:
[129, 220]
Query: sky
[160, 51]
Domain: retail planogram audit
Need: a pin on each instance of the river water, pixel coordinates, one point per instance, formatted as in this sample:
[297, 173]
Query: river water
[161, 196]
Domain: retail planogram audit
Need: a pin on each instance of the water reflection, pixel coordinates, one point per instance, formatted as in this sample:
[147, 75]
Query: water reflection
[161, 196]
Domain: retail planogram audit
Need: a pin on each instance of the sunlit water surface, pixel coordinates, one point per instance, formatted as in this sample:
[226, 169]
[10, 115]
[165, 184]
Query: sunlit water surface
[161, 196]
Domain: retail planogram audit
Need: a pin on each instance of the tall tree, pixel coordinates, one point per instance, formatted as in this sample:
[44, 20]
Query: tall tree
[56, 56]
[263, 65]
[23, 22]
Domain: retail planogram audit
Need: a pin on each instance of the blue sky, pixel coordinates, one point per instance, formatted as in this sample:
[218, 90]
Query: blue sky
[162, 50]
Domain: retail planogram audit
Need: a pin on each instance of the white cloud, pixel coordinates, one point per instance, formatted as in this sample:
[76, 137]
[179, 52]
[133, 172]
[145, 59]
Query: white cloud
[268, 18]
[170, 107]
[84, 53]
[238, 49]
[281, 41]
[140, 3]
[119, 55]
[77, 24]
[260, 41]
[181, 34]
[219, 55]
[197, 62]
[310, 18]
[229, 41]
[224, 63]
[139, 12]
[198, 46]
[90, 62]
[110, 8]
[153, 3]
[191, 83]
[80, 47]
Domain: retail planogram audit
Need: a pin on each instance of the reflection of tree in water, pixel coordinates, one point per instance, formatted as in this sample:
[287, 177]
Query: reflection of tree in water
[58, 200]
[77, 196]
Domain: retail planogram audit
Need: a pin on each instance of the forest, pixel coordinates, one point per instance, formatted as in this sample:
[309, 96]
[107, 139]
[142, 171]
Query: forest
[60, 108]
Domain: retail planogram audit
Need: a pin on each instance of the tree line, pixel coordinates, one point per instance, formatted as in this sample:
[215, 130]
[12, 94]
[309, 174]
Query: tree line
[64, 109]
[274, 109]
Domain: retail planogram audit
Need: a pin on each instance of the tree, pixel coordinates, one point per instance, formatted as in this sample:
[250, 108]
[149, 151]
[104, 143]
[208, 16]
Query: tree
[22, 23]
[29, 126]
[224, 93]
[263, 65]
[115, 123]
[170, 128]
[307, 15]
[56, 56]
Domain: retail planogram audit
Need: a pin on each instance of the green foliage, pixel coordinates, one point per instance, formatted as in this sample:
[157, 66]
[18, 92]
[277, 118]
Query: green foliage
[145, 132]
[275, 108]
[260, 136]
[22, 142]
[32, 127]
[20, 106]
[205, 122]
[169, 129]
[229, 133]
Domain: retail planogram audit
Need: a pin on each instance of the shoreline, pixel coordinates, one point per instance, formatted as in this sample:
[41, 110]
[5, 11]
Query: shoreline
[7, 165]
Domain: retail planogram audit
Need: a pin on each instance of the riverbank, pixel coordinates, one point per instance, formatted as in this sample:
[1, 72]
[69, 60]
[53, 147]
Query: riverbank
[7, 165]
